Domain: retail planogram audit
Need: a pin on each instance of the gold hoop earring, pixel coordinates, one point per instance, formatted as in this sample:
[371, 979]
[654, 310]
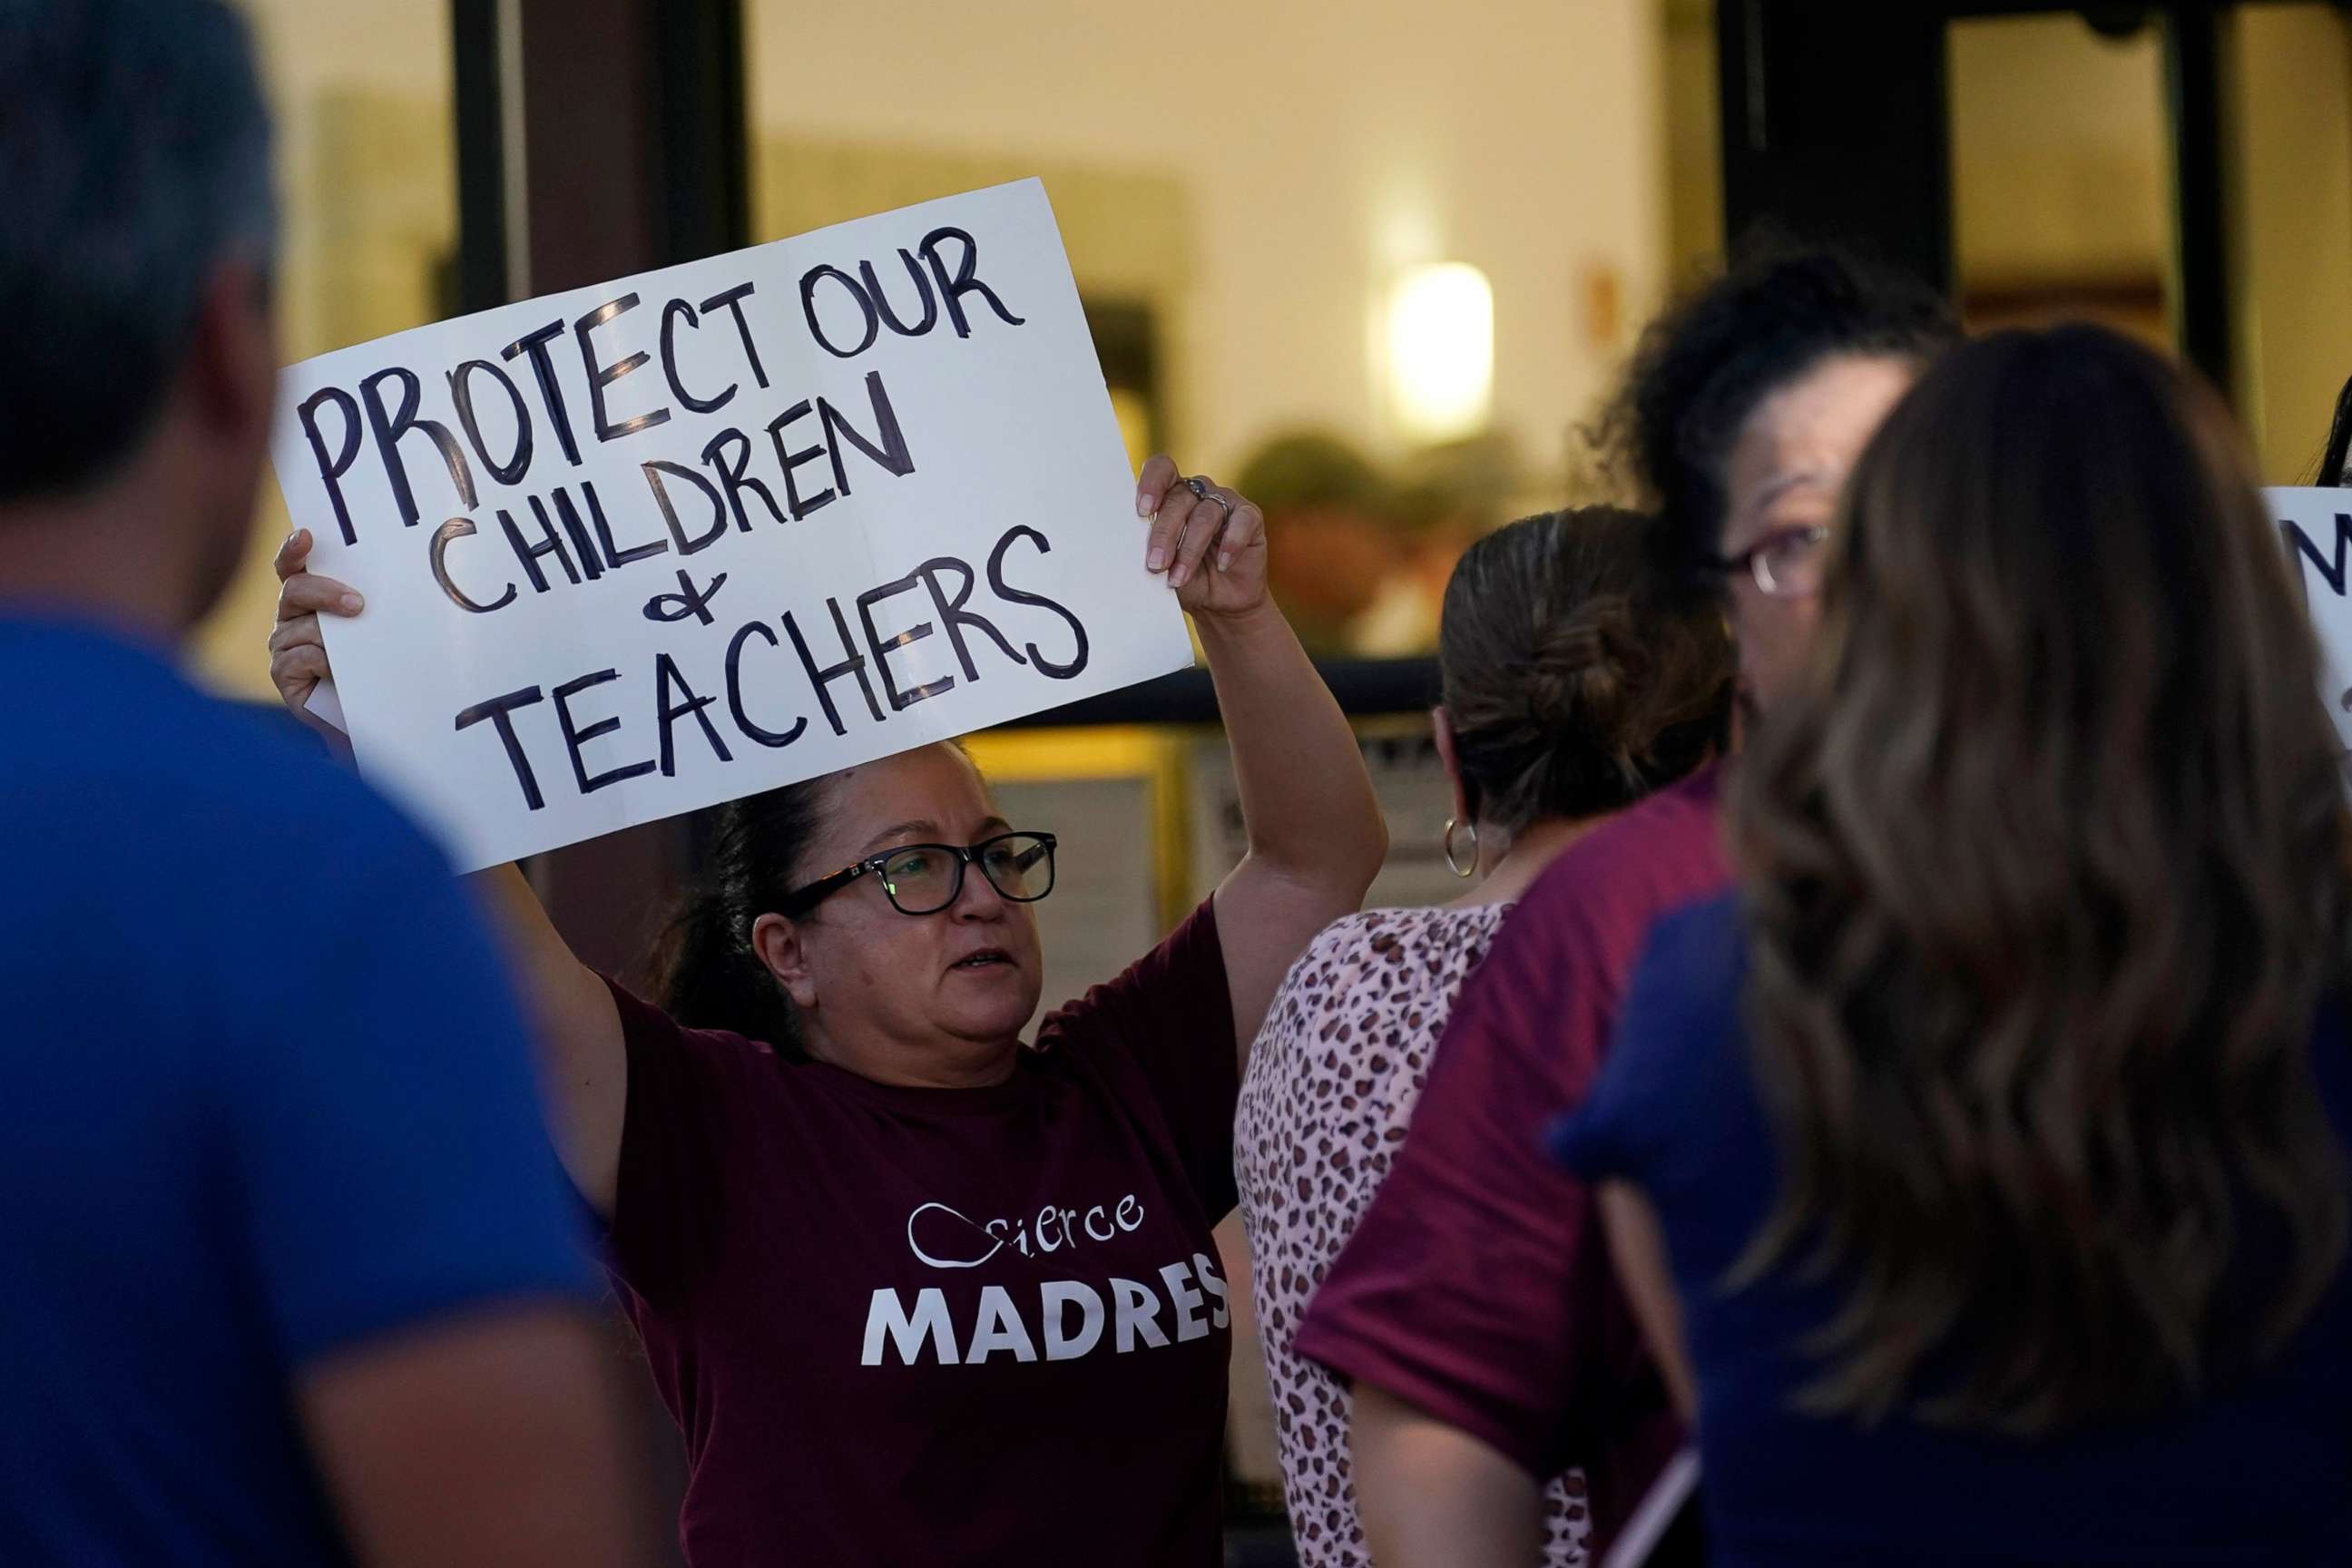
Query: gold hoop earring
[1453, 863]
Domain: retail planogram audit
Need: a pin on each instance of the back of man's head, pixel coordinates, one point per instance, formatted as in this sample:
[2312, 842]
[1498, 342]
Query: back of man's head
[137, 150]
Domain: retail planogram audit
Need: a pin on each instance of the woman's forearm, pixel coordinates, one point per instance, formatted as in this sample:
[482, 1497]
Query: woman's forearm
[1306, 798]
[584, 1064]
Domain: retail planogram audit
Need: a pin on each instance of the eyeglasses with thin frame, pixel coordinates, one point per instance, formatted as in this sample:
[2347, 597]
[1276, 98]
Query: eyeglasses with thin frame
[924, 879]
[1786, 563]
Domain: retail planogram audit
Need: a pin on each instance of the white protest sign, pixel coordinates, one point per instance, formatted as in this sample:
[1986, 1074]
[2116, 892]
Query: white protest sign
[636, 549]
[2315, 527]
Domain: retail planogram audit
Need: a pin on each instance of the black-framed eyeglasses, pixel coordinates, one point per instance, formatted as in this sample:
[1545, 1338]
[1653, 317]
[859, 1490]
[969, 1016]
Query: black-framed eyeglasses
[924, 879]
[1786, 563]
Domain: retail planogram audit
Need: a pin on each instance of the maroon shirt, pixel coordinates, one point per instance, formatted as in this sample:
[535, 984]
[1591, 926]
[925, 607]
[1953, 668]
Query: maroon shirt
[1478, 1286]
[926, 1326]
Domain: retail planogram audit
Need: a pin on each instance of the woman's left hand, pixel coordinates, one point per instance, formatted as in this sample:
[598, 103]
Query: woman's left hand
[1211, 543]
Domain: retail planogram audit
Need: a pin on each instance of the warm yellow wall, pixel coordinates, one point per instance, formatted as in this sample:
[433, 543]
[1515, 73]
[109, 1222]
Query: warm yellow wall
[2058, 152]
[1692, 115]
[2292, 245]
[2060, 174]
[1314, 148]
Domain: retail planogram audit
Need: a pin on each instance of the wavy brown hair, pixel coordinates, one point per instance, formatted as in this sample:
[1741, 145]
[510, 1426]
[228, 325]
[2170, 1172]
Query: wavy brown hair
[2047, 869]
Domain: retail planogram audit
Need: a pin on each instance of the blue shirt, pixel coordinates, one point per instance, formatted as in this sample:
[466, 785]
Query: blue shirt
[263, 1097]
[2262, 1473]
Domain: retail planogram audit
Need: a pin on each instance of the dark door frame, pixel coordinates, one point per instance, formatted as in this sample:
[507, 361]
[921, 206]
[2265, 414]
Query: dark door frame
[1835, 126]
[598, 138]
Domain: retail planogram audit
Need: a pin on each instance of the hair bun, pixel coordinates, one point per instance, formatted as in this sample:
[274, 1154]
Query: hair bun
[1586, 673]
[1570, 693]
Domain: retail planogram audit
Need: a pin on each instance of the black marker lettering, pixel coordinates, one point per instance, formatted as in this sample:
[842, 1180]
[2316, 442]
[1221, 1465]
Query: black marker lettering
[809, 280]
[499, 710]
[616, 558]
[730, 475]
[2301, 546]
[688, 600]
[891, 454]
[883, 648]
[953, 289]
[792, 461]
[954, 617]
[667, 679]
[575, 737]
[583, 549]
[389, 428]
[551, 392]
[601, 378]
[852, 663]
[461, 393]
[1006, 590]
[332, 469]
[733, 300]
[670, 314]
[735, 688]
[882, 302]
[461, 528]
[550, 542]
[703, 541]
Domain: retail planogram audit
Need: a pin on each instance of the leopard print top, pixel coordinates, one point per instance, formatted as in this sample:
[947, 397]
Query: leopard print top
[1332, 1082]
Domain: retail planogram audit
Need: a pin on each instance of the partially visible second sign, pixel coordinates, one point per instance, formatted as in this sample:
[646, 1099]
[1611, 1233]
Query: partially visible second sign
[2315, 527]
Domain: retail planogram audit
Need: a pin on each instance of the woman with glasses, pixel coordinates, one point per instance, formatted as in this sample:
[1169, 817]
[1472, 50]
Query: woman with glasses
[1474, 1311]
[921, 1283]
[1997, 1126]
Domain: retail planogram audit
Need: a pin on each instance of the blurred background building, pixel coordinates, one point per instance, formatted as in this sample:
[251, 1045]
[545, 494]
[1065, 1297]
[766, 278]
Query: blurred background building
[1377, 264]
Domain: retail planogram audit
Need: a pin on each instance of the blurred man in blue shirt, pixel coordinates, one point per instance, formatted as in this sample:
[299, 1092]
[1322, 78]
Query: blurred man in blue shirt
[290, 1273]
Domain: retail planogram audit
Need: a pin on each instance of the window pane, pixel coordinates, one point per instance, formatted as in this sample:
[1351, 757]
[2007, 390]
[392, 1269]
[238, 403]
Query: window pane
[2060, 175]
[2292, 250]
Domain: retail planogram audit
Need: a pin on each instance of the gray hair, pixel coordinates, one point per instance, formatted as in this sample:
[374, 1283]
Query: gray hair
[137, 152]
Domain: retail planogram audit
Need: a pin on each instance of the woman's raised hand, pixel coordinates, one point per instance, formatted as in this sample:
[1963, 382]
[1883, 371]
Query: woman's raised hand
[1209, 539]
[298, 658]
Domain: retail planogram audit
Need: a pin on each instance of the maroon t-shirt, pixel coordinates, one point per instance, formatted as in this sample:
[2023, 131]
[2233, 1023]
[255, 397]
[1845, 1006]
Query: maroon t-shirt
[930, 1326]
[1478, 1286]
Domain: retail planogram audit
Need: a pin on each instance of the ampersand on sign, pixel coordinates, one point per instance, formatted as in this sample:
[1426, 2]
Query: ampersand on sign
[687, 601]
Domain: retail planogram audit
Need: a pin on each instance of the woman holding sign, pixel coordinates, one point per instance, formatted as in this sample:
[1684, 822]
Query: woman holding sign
[919, 1289]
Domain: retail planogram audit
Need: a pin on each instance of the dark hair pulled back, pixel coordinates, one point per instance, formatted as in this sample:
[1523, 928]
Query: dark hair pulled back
[707, 976]
[1703, 366]
[1570, 694]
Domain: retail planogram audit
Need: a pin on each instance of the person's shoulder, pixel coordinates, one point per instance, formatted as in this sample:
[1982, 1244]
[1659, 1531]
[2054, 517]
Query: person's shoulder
[1380, 932]
[231, 817]
[1691, 972]
[647, 1027]
[169, 777]
[1663, 850]
[1676, 1074]
[1704, 939]
[1180, 983]
[1596, 900]
[1676, 829]
[1382, 952]
[271, 791]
